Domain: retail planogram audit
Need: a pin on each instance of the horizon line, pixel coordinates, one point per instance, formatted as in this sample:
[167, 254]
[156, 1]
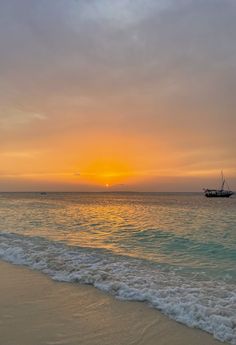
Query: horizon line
[105, 191]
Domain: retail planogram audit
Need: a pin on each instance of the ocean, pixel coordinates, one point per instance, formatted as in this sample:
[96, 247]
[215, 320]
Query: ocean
[175, 251]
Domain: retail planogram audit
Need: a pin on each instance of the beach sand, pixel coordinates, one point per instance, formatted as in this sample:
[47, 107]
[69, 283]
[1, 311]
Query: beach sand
[35, 310]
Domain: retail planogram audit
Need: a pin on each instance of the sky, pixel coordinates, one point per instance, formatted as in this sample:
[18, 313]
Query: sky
[117, 94]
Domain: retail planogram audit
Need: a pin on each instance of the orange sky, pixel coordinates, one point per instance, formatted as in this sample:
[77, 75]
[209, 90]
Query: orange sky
[117, 95]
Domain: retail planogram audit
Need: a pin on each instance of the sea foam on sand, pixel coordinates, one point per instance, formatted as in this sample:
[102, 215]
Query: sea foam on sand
[202, 304]
[38, 310]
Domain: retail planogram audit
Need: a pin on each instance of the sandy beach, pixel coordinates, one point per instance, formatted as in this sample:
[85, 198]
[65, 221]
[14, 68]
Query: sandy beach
[36, 310]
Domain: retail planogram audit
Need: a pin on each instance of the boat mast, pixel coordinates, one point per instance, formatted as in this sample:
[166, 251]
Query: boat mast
[223, 180]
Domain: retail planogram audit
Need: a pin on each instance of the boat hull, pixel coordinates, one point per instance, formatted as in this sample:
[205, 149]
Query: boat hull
[218, 193]
[218, 196]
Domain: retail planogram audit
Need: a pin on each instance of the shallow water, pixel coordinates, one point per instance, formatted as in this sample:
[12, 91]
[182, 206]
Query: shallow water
[175, 251]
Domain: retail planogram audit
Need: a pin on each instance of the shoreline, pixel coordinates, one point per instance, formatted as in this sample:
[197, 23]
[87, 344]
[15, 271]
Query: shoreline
[37, 310]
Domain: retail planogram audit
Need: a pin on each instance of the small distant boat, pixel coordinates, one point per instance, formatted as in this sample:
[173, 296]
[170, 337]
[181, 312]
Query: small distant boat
[43, 193]
[219, 193]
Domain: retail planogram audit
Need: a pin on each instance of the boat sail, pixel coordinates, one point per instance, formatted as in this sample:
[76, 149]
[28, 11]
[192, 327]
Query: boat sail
[219, 193]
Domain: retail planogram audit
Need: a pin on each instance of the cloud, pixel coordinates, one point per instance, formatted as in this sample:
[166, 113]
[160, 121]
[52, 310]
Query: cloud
[120, 14]
[19, 154]
[12, 117]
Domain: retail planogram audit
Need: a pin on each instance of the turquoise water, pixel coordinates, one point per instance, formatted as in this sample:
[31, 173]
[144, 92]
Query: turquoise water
[175, 251]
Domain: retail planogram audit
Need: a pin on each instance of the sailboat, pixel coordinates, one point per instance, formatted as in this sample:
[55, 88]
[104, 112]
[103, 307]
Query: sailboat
[219, 193]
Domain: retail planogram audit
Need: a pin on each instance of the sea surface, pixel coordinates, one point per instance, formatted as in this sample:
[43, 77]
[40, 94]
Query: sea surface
[175, 251]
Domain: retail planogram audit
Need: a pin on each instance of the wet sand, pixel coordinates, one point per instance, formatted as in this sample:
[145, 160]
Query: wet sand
[35, 310]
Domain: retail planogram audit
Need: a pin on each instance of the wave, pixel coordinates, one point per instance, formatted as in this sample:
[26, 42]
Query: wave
[205, 304]
[171, 242]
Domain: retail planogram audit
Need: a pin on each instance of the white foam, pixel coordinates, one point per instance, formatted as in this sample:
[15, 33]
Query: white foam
[208, 305]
